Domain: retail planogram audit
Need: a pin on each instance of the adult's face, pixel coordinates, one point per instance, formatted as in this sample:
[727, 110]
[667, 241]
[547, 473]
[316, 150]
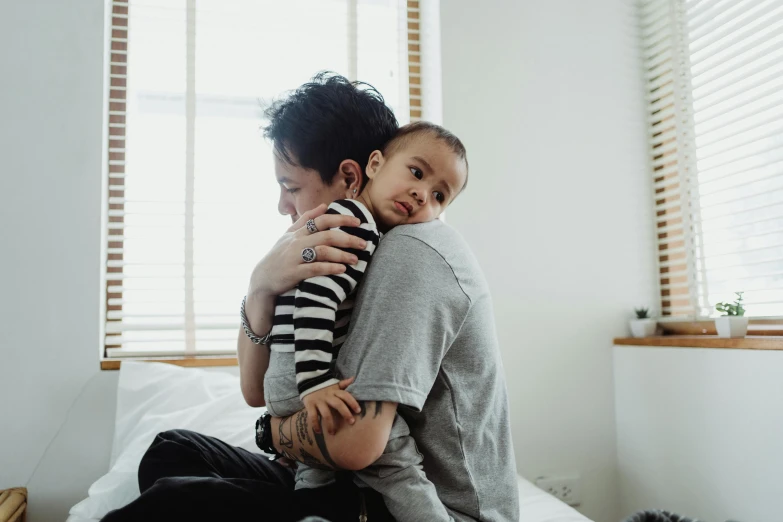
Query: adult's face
[303, 189]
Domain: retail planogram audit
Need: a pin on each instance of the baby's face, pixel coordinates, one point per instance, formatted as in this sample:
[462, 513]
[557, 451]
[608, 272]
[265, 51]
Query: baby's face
[415, 183]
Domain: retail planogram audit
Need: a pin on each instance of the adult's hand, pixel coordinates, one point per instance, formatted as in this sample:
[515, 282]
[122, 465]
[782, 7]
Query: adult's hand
[279, 271]
[283, 267]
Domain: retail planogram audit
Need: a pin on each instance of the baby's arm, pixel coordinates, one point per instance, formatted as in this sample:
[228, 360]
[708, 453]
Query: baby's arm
[315, 310]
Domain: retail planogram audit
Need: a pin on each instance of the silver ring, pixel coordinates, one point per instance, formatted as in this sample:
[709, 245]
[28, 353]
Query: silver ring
[308, 255]
[311, 226]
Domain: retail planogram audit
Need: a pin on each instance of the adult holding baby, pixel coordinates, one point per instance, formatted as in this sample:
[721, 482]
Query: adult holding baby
[422, 343]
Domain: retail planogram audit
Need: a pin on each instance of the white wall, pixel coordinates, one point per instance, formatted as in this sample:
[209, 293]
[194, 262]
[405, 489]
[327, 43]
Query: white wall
[51, 105]
[547, 97]
[699, 432]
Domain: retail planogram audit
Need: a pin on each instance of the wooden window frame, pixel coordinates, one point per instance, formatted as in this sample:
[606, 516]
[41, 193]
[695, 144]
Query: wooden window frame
[414, 60]
[118, 82]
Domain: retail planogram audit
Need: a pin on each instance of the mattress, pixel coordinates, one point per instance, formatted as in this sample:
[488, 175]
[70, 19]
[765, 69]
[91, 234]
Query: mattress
[534, 506]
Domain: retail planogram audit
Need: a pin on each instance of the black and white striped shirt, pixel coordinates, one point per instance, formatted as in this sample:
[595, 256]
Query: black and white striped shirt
[312, 320]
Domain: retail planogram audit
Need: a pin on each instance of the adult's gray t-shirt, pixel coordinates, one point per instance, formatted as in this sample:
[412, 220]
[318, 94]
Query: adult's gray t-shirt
[423, 335]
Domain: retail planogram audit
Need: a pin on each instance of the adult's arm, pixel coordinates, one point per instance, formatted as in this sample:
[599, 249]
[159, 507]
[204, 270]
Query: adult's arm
[279, 271]
[254, 359]
[408, 311]
[351, 447]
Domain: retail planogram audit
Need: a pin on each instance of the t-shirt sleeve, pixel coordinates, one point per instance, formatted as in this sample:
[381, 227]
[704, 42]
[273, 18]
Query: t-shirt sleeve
[317, 300]
[408, 312]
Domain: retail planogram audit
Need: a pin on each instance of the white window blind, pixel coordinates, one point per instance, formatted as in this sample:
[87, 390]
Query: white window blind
[714, 80]
[192, 201]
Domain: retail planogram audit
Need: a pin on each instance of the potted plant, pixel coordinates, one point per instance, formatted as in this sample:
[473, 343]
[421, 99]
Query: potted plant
[643, 325]
[733, 323]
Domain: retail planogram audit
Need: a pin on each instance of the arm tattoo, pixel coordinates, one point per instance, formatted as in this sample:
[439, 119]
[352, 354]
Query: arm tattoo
[363, 406]
[302, 428]
[286, 441]
[303, 434]
[310, 460]
[289, 456]
[321, 443]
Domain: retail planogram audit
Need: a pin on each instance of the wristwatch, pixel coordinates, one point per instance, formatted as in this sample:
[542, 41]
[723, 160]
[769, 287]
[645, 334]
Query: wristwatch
[246, 326]
[264, 436]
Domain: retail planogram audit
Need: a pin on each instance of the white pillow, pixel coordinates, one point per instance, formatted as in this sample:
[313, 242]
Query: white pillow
[155, 397]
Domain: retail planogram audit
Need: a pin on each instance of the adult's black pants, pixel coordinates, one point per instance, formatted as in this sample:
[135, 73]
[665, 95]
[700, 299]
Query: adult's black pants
[185, 475]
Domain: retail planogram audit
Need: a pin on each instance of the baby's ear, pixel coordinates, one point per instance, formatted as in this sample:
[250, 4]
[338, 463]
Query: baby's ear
[375, 163]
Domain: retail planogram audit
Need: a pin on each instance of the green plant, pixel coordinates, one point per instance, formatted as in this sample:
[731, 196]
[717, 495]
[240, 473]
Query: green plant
[733, 309]
[642, 313]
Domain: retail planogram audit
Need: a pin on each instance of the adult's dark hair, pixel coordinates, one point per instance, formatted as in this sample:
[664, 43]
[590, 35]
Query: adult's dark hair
[328, 120]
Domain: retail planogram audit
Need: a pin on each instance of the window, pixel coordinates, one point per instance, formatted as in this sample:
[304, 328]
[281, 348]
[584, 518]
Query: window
[192, 202]
[714, 81]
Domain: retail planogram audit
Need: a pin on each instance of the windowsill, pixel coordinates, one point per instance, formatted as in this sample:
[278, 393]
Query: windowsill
[193, 361]
[751, 342]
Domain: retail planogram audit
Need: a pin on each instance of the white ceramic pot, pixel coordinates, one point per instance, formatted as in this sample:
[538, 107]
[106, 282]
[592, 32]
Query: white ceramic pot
[731, 326]
[643, 327]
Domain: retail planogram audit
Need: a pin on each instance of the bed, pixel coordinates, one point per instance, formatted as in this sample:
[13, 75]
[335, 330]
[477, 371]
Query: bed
[156, 397]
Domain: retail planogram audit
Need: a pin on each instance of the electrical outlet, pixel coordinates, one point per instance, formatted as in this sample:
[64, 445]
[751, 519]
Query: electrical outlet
[566, 488]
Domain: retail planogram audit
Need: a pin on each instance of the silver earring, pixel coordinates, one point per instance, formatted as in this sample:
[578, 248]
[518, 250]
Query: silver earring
[354, 191]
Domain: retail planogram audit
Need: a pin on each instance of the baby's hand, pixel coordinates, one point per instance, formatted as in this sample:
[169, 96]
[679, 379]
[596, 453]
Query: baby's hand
[319, 404]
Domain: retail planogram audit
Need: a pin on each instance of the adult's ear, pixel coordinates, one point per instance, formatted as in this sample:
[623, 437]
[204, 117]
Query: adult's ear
[375, 163]
[349, 175]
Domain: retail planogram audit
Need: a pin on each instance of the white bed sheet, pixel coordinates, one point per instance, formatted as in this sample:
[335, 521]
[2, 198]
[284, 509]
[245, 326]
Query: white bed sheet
[156, 397]
[534, 506]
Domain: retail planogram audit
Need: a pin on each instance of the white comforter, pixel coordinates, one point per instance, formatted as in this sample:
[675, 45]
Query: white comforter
[157, 397]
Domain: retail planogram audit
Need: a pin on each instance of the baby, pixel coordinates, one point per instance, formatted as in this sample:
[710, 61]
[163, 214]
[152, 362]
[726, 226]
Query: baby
[417, 175]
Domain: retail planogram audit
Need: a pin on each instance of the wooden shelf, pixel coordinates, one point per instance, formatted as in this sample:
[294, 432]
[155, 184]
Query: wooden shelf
[751, 342]
[114, 364]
